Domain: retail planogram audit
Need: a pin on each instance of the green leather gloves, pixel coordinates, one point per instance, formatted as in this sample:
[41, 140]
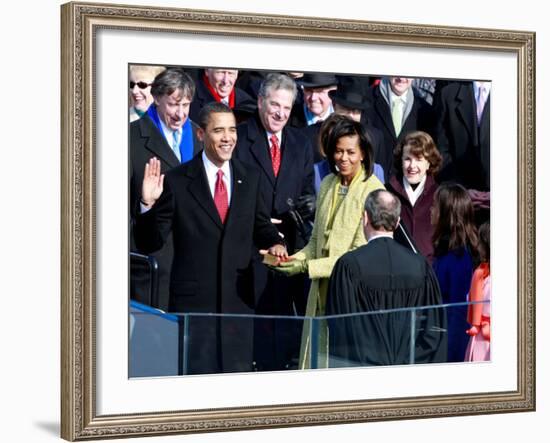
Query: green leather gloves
[292, 267]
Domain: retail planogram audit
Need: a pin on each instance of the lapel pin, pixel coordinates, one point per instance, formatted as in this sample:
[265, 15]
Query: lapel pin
[239, 181]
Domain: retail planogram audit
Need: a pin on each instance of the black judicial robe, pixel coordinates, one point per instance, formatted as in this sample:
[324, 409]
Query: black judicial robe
[383, 275]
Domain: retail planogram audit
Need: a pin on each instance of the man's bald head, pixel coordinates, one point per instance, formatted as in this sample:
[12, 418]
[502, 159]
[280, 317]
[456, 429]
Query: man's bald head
[383, 210]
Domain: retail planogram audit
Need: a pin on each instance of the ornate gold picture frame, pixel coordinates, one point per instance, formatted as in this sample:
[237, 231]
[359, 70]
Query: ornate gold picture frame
[84, 415]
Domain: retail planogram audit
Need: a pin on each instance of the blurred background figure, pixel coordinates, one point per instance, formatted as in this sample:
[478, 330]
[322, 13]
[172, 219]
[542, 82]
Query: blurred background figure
[165, 132]
[315, 108]
[479, 315]
[351, 98]
[416, 162]
[463, 135]
[396, 110]
[425, 88]
[141, 79]
[317, 103]
[456, 255]
[338, 224]
[217, 85]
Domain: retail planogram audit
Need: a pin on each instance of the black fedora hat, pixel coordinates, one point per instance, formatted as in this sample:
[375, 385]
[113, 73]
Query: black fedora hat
[317, 80]
[349, 94]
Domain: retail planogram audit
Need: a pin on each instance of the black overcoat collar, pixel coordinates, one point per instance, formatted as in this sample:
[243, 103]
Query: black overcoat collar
[200, 190]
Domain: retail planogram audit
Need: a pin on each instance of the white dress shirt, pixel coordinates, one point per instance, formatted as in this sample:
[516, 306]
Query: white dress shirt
[212, 175]
[413, 194]
[279, 138]
[169, 136]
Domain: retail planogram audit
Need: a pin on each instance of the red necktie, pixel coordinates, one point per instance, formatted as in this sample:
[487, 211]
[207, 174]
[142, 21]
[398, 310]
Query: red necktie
[275, 154]
[220, 196]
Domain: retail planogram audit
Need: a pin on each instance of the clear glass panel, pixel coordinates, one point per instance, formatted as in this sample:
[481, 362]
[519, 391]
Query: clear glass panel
[179, 344]
[383, 338]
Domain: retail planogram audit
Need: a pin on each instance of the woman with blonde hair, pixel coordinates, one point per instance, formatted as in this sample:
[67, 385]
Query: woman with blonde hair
[141, 79]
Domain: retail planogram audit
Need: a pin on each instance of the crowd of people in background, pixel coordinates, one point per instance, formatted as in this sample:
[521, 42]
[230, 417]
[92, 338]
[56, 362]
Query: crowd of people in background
[315, 145]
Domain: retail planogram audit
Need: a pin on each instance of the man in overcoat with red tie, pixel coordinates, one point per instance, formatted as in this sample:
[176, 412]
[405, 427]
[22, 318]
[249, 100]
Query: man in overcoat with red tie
[283, 157]
[213, 207]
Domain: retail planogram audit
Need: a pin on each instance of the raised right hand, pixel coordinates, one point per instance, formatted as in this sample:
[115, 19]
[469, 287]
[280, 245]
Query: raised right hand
[153, 181]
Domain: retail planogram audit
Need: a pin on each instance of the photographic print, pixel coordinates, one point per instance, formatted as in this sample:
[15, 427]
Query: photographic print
[267, 319]
[265, 168]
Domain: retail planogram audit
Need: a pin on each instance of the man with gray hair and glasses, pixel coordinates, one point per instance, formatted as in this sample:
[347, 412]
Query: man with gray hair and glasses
[383, 275]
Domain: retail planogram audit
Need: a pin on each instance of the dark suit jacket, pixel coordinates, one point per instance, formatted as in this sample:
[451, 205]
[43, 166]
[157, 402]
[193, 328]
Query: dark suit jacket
[146, 141]
[464, 145]
[295, 176]
[203, 96]
[420, 118]
[276, 343]
[378, 276]
[210, 271]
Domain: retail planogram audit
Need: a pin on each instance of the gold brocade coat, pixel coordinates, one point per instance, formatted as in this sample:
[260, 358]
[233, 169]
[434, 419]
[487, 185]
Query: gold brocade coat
[325, 248]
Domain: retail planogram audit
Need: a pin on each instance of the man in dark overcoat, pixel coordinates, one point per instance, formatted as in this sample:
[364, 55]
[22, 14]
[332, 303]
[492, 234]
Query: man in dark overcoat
[463, 136]
[165, 132]
[214, 209]
[396, 110]
[283, 157]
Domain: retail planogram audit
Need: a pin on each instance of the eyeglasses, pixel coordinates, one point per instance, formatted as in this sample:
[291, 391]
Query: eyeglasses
[140, 85]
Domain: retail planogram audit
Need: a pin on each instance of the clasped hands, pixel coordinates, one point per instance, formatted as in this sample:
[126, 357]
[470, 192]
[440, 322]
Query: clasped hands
[285, 264]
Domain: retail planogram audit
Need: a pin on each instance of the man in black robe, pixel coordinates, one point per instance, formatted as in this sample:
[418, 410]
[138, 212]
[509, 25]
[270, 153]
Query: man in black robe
[383, 275]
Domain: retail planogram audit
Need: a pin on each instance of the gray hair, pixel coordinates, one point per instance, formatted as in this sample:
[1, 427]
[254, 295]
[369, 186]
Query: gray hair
[275, 81]
[383, 210]
[171, 80]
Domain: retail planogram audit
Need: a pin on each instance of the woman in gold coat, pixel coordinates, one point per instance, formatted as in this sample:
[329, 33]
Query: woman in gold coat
[337, 228]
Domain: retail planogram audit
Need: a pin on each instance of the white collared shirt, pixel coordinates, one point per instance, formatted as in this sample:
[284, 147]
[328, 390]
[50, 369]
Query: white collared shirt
[387, 235]
[279, 138]
[169, 136]
[312, 119]
[212, 175]
[477, 85]
[414, 194]
[393, 97]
